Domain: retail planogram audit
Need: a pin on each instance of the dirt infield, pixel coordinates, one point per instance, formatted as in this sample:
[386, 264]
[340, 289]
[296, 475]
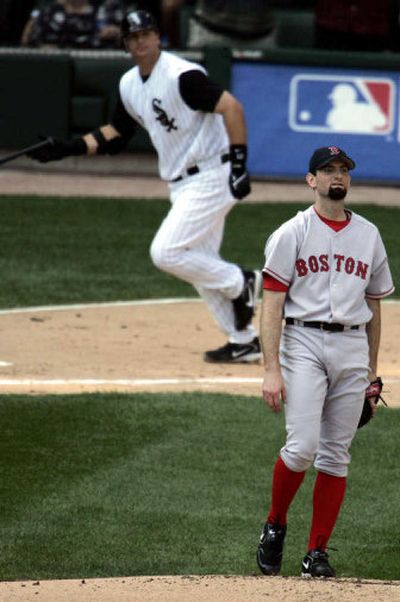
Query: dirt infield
[54, 183]
[151, 346]
[201, 589]
[156, 347]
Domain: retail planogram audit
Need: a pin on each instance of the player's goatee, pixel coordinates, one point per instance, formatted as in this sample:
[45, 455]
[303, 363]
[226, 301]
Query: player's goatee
[337, 193]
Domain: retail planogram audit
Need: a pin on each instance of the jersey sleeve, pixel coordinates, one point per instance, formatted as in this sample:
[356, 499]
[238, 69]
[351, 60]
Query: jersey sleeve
[281, 253]
[122, 121]
[272, 284]
[381, 282]
[198, 91]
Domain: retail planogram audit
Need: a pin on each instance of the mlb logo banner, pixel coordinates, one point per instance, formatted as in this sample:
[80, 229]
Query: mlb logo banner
[342, 104]
[293, 109]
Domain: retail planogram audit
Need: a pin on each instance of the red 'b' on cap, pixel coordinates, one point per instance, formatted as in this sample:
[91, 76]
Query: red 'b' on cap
[324, 155]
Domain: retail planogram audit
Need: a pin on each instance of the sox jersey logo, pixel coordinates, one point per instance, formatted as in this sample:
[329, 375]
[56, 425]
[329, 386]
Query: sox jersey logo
[162, 116]
[329, 274]
[182, 137]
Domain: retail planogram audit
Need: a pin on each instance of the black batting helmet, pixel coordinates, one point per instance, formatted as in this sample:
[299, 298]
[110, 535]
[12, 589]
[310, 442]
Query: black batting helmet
[137, 20]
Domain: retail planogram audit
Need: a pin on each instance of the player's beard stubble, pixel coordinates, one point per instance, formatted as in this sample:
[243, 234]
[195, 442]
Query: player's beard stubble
[337, 193]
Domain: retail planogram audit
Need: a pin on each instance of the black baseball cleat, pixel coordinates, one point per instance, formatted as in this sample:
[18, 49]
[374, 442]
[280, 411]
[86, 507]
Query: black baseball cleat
[270, 549]
[315, 564]
[244, 306]
[235, 353]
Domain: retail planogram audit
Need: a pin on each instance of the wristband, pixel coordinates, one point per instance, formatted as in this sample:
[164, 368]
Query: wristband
[76, 147]
[238, 155]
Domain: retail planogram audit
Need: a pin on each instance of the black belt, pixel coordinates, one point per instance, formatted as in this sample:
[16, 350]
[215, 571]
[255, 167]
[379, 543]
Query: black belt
[191, 171]
[330, 326]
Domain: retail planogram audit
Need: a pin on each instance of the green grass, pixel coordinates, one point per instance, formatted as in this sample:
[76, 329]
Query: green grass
[108, 485]
[61, 250]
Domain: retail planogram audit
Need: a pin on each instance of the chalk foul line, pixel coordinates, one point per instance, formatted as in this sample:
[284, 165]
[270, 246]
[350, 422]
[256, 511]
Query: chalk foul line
[128, 382]
[137, 382]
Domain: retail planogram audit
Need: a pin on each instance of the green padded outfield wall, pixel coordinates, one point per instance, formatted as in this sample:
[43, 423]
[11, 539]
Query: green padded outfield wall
[69, 93]
[34, 97]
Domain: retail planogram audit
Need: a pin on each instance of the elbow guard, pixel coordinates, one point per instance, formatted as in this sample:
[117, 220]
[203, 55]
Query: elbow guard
[109, 147]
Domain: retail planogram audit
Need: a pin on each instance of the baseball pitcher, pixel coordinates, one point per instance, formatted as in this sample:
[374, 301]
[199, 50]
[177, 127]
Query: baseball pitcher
[325, 272]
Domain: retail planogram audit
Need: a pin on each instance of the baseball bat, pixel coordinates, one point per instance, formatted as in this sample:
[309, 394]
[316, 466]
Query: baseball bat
[25, 150]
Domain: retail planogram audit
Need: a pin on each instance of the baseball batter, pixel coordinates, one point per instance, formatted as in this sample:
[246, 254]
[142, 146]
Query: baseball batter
[199, 132]
[325, 272]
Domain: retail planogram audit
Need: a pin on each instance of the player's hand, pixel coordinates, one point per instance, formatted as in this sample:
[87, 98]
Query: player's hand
[239, 179]
[373, 400]
[58, 149]
[273, 389]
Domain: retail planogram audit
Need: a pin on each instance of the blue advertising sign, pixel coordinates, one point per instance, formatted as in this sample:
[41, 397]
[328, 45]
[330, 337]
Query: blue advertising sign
[291, 110]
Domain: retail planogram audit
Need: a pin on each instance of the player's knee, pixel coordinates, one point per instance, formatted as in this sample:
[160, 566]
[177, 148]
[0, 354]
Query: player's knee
[335, 464]
[296, 463]
[164, 258]
[299, 457]
[158, 255]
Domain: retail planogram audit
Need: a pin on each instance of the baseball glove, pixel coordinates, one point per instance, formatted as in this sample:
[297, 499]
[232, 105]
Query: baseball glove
[373, 392]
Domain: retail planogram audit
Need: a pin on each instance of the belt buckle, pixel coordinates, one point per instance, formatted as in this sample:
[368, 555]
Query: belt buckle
[333, 327]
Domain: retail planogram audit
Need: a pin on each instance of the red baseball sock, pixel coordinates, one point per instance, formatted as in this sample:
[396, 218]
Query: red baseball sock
[285, 483]
[327, 499]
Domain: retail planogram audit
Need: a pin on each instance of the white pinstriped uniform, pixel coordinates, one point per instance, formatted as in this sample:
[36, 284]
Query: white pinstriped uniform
[188, 241]
[329, 275]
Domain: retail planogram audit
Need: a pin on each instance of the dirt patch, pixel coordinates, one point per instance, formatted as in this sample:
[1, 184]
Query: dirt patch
[154, 346]
[41, 181]
[201, 589]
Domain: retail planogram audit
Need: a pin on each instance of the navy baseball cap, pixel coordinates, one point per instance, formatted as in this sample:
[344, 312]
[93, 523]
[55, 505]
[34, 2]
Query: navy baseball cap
[324, 155]
[137, 20]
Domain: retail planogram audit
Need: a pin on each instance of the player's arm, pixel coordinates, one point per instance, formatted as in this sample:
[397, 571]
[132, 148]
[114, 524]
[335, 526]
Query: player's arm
[109, 139]
[99, 138]
[233, 115]
[374, 336]
[273, 389]
[200, 93]
[114, 136]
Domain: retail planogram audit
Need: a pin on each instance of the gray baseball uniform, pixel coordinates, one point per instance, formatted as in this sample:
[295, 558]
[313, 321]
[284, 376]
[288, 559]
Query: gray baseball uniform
[325, 272]
[329, 275]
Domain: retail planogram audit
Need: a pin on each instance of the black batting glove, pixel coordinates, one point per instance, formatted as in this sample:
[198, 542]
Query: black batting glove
[239, 179]
[58, 149]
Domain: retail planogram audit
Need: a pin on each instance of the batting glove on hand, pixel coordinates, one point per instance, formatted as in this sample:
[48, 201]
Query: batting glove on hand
[58, 149]
[239, 179]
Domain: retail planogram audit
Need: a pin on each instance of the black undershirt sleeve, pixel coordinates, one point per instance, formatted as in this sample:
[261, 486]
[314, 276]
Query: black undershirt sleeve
[198, 91]
[122, 121]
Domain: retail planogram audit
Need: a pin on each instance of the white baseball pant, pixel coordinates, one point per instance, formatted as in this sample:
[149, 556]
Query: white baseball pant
[188, 241]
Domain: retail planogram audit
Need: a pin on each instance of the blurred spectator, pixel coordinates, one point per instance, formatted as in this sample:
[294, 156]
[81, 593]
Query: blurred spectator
[295, 4]
[356, 25]
[75, 24]
[245, 24]
[170, 22]
[13, 16]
